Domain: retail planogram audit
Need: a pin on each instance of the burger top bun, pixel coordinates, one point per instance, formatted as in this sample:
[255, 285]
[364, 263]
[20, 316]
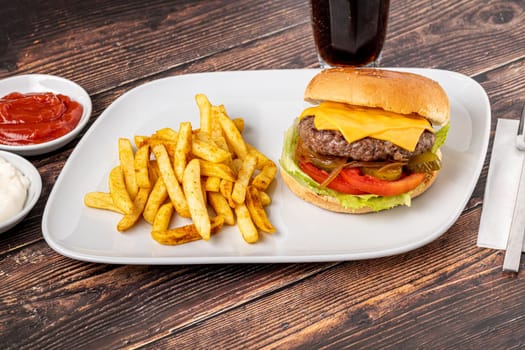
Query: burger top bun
[398, 92]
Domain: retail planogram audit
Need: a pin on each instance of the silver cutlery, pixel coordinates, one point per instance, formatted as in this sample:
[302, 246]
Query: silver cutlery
[512, 258]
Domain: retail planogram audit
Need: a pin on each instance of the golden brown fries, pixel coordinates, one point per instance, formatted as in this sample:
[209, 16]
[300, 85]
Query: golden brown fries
[243, 179]
[233, 136]
[226, 188]
[212, 183]
[167, 134]
[172, 185]
[118, 191]
[265, 177]
[185, 234]
[239, 123]
[216, 170]
[192, 186]
[138, 206]
[207, 175]
[141, 167]
[265, 198]
[256, 209]
[101, 200]
[221, 207]
[209, 151]
[246, 226]
[205, 112]
[182, 149]
[127, 164]
[157, 196]
[163, 218]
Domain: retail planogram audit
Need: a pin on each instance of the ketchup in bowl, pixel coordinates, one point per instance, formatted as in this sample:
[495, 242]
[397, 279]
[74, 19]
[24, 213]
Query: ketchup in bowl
[34, 118]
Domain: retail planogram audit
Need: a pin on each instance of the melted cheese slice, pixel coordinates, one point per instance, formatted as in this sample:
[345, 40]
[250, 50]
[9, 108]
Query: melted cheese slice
[356, 123]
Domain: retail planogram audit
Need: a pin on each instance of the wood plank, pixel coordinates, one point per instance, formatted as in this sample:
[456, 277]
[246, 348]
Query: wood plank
[456, 36]
[117, 42]
[47, 300]
[110, 52]
[428, 297]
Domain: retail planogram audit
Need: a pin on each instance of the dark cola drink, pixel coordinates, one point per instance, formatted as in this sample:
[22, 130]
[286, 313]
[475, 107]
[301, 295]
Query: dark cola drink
[349, 32]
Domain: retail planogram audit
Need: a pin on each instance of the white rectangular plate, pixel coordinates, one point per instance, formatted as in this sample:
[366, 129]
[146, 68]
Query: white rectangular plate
[268, 101]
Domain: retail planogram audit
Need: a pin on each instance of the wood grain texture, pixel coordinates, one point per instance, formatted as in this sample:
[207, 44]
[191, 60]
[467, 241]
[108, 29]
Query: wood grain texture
[448, 294]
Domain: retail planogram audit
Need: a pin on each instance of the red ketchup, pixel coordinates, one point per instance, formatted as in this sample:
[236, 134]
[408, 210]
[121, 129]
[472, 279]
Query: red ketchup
[34, 118]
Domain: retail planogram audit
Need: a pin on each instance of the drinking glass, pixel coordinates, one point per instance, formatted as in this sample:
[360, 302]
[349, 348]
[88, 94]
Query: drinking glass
[349, 32]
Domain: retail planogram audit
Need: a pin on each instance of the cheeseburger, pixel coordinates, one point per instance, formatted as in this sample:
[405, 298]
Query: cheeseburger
[369, 142]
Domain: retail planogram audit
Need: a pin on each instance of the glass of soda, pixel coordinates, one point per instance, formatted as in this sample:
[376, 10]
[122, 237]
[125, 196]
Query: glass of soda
[349, 32]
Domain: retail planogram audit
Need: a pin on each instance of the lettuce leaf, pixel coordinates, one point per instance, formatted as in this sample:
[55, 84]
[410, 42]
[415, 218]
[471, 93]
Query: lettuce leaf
[441, 136]
[348, 201]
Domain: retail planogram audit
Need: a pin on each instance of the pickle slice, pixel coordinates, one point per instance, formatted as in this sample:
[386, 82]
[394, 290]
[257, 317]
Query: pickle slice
[388, 172]
[424, 163]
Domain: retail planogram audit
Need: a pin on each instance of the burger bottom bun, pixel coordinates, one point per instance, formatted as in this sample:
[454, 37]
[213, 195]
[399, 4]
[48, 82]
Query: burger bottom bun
[332, 204]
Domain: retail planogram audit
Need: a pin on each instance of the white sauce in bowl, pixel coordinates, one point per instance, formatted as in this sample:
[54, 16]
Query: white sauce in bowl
[13, 190]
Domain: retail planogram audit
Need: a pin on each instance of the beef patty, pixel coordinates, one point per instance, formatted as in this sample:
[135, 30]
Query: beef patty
[332, 143]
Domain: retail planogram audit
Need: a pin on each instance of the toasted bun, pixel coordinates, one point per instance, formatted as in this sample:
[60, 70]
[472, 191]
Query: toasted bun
[399, 92]
[332, 204]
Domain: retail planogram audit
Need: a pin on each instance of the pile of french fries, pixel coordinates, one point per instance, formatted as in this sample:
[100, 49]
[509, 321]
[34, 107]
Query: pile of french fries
[210, 175]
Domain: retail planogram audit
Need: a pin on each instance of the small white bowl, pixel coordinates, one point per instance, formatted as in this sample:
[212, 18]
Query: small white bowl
[33, 192]
[47, 83]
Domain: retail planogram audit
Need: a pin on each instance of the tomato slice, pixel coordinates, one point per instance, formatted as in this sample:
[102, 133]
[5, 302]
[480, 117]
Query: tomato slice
[337, 184]
[370, 184]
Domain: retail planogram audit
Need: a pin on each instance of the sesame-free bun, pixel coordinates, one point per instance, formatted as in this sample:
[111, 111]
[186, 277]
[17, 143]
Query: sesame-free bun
[332, 204]
[399, 92]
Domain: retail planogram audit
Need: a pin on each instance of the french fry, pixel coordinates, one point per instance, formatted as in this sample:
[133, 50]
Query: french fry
[262, 160]
[140, 140]
[212, 183]
[163, 217]
[157, 197]
[101, 200]
[243, 178]
[204, 192]
[219, 170]
[127, 163]
[205, 112]
[203, 136]
[233, 136]
[221, 207]
[142, 167]
[182, 149]
[153, 169]
[130, 219]
[265, 198]
[118, 191]
[256, 209]
[239, 124]
[216, 130]
[236, 165]
[265, 177]
[185, 234]
[267, 167]
[169, 145]
[173, 187]
[167, 134]
[226, 188]
[209, 151]
[191, 184]
[248, 230]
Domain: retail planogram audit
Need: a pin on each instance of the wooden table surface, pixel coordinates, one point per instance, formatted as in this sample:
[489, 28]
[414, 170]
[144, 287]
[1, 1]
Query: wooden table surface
[447, 294]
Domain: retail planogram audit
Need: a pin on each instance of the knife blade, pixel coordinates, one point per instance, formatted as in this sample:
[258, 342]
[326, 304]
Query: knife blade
[512, 258]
